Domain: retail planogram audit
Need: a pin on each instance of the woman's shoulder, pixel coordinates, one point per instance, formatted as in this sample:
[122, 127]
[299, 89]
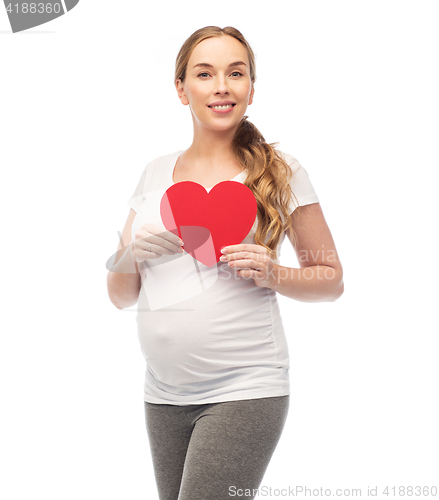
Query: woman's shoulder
[290, 160]
[165, 159]
[157, 169]
[300, 182]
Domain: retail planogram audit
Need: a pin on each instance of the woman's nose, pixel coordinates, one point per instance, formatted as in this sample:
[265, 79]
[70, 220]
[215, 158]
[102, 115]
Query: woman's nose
[221, 86]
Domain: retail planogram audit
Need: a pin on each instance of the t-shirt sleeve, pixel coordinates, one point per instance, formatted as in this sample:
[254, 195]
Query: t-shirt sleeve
[136, 199]
[303, 190]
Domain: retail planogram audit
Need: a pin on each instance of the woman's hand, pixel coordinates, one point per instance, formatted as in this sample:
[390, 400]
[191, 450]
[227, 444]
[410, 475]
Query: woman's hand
[151, 242]
[250, 261]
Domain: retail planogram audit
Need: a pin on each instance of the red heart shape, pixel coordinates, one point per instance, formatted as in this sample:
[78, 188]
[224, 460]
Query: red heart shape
[208, 221]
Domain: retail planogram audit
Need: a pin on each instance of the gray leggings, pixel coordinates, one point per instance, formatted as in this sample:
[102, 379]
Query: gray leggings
[209, 451]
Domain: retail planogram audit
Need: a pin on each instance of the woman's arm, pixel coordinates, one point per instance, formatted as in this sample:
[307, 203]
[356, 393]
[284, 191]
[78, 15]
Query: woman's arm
[320, 277]
[123, 278]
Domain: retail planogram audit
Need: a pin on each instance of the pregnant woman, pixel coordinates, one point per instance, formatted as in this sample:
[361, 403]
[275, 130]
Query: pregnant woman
[216, 388]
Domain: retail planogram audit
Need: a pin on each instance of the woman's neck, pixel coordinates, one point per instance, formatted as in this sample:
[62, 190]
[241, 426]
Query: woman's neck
[212, 147]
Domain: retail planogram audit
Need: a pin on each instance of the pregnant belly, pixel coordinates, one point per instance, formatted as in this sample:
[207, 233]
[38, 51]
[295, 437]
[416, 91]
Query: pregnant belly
[227, 327]
[180, 348]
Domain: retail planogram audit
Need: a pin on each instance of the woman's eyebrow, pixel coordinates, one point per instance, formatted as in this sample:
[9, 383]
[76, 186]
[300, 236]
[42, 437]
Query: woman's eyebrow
[206, 65]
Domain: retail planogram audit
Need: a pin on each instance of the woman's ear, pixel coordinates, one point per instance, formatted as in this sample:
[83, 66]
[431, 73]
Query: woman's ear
[180, 91]
[251, 95]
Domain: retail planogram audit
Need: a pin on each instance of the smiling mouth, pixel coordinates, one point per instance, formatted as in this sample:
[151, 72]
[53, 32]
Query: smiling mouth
[226, 106]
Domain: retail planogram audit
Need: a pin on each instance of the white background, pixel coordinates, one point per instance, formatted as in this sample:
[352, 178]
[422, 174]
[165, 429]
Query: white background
[350, 90]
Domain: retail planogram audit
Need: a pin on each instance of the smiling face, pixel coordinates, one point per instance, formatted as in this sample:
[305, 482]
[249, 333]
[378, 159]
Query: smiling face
[217, 86]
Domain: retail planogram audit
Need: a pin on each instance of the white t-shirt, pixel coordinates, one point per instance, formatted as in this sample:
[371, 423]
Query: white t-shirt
[207, 334]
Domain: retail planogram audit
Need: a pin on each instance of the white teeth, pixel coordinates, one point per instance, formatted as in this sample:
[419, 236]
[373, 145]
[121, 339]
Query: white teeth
[227, 106]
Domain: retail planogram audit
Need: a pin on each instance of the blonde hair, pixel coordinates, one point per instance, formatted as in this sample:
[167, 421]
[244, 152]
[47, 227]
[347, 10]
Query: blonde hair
[268, 174]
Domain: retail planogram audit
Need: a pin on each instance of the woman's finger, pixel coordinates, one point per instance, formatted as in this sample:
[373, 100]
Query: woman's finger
[247, 264]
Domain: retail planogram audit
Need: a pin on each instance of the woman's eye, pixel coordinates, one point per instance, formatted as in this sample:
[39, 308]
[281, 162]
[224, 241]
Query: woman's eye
[205, 75]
